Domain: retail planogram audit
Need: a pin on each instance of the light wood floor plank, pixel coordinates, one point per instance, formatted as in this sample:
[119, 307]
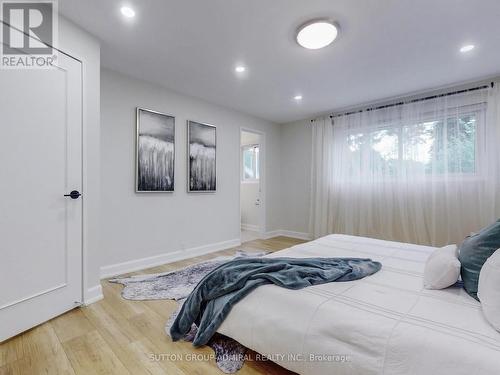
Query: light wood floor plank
[39, 351]
[71, 325]
[90, 354]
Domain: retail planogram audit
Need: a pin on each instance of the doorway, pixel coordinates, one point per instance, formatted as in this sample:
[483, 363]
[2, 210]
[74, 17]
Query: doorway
[251, 192]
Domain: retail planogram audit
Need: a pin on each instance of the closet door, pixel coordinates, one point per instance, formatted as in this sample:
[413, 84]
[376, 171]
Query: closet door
[40, 163]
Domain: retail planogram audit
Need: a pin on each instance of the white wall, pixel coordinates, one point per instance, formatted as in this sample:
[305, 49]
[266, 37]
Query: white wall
[135, 226]
[79, 44]
[295, 176]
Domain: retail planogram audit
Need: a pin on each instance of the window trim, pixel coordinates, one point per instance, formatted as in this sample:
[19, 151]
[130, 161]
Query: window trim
[478, 110]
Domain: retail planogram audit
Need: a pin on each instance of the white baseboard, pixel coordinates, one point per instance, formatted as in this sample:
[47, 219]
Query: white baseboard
[93, 294]
[143, 263]
[298, 235]
[251, 227]
[271, 234]
[288, 233]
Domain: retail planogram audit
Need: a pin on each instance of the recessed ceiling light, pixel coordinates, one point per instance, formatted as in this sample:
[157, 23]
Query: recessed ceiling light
[467, 48]
[240, 69]
[127, 12]
[316, 34]
[298, 97]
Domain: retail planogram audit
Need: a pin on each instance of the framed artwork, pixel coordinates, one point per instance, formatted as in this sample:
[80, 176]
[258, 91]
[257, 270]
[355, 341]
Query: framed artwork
[202, 161]
[155, 152]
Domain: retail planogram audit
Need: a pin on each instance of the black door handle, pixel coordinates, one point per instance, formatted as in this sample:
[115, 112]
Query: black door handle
[74, 194]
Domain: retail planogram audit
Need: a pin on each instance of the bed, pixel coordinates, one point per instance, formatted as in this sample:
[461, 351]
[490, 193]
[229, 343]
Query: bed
[383, 324]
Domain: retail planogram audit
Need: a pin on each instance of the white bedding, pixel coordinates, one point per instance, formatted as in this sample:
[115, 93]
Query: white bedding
[383, 324]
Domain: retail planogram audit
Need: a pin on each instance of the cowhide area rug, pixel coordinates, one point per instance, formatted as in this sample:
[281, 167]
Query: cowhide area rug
[176, 285]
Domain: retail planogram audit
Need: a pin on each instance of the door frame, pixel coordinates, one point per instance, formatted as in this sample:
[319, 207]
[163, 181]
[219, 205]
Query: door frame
[262, 177]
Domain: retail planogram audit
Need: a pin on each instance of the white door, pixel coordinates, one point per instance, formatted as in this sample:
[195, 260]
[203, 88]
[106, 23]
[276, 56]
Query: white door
[40, 162]
[251, 208]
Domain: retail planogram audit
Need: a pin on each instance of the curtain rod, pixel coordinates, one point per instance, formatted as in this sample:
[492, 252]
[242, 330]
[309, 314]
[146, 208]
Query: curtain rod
[412, 101]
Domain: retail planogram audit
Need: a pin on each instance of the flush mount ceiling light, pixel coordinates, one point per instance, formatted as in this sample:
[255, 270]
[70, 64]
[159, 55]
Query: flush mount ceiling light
[467, 48]
[240, 69]
[298, 97]
[127, 12]
[316, 34]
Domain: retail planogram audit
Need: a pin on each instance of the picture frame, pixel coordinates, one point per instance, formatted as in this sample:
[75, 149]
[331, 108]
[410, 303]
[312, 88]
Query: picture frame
[155, 152]
[201, 157]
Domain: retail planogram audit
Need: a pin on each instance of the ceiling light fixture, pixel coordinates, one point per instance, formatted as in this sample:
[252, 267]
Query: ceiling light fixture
[467, 48]
[316, 34]
[298, 97]
[127, 12]
[240, 69]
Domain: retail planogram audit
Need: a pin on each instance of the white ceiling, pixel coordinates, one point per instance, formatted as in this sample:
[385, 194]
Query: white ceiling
[385, 48]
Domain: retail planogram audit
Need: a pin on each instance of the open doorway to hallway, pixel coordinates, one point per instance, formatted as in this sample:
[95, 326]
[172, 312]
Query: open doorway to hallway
[251, 197]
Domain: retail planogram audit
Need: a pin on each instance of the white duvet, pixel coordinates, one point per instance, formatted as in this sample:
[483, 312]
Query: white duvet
[383, 324]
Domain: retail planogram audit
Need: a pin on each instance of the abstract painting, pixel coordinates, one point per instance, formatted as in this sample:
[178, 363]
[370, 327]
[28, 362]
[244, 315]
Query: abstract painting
[155, 151]
[202, 145]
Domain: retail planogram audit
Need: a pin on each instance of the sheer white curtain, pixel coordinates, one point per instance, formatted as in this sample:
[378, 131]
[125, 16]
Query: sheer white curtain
[426, 172]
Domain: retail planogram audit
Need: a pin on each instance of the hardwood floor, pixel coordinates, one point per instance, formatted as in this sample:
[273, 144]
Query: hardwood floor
[116, 336]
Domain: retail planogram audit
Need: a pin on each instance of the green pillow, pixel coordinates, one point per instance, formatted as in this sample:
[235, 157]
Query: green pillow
[474, 252]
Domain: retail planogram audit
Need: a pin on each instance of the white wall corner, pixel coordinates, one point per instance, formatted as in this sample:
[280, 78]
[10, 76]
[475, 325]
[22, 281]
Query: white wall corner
[271, 234]
[157, 260]
[92, 295]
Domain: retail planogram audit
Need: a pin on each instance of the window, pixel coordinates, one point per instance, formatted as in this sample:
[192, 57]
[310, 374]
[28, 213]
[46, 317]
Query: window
[251, 161]
[438, 146]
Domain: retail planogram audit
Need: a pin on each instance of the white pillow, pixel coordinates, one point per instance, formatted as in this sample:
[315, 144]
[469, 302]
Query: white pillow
[442, 268]
[488, 290]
